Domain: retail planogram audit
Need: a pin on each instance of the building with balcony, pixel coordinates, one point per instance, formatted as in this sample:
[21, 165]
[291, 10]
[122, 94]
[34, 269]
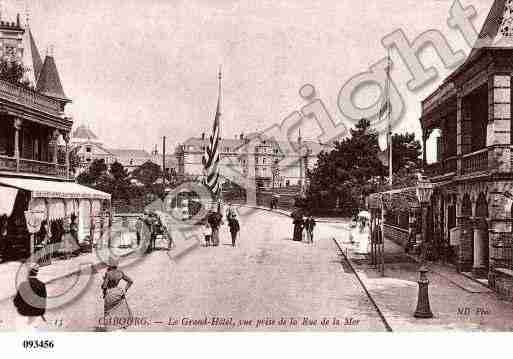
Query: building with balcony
[87, 147]
[35, 180]
[252, 155]
[470, 215]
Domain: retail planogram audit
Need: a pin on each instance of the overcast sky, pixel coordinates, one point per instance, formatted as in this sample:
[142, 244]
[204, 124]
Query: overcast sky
[140, 69]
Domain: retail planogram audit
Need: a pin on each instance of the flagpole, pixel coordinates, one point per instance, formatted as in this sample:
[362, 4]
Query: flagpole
[389, 134]
[219, 104]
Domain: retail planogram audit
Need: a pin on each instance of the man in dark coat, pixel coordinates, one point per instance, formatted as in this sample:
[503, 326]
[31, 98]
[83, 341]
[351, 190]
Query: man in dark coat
[30, 299]
[309, 226]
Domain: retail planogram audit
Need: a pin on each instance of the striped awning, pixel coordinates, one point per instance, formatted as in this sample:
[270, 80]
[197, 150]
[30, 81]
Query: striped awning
[53, 189]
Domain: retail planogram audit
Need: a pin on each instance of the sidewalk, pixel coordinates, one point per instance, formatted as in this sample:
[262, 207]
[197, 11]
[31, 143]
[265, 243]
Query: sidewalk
[450, 294]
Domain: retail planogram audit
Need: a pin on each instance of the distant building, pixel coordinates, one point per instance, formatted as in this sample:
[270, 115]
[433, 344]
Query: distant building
[253, 153]
[88, 147]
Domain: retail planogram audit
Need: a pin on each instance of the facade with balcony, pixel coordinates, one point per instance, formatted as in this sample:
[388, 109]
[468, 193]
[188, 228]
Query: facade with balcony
[253, 156]
[471, 209]
[38, 196]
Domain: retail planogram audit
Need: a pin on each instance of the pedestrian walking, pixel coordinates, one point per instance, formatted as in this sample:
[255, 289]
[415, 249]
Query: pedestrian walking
[309, 226]
[138, 229]
[149, 221]
[117, 314]
[215, 219]
[233, 223]
[30, 301]
[298, 222]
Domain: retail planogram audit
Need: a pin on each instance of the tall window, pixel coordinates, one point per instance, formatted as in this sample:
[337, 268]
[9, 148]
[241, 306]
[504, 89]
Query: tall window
[502, 103]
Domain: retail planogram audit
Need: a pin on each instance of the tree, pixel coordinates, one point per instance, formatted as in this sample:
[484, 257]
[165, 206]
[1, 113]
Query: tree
[147, 173]
[352, 170]
[406, 151]
[118, 171]
[97, 168]
[342, 175]
[11, 70]
[120, 186]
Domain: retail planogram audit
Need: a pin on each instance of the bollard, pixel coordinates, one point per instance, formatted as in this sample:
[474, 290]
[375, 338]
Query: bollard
[423, 309]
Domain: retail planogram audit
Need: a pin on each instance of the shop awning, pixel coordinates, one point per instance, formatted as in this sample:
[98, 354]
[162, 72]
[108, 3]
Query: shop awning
[8, 196]
[53, 189]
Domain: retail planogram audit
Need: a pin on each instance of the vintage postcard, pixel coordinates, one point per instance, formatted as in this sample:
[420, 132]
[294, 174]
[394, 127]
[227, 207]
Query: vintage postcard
[255, 166]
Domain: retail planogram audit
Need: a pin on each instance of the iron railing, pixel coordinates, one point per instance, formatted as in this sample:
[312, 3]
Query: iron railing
[475, 161]
[29, 98]
[33, 166]
[502, 251]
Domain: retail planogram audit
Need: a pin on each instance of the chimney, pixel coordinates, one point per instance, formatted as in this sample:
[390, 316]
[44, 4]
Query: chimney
[203, 136]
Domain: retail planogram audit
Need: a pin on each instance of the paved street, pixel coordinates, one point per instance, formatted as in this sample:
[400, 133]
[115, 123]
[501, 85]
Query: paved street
[267, 278]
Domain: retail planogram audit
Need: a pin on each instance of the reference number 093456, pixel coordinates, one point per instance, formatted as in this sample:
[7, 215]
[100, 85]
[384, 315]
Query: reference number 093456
[38, 344]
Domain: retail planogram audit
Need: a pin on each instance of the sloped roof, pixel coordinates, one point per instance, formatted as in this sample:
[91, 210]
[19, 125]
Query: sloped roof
[31, 58]
[129, 153]
[497, 30]
[83, 132]
[315, 147]
[196, 141]
[49, 82]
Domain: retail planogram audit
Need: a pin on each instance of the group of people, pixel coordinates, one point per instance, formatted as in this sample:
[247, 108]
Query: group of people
[214, 221]
[148, 227]
[31, 300]
[303, 225]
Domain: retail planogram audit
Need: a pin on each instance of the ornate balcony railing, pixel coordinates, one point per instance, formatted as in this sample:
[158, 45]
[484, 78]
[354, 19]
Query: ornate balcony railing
[7, 163]
[28, 98]
[33, 166]
[475, 161]
[449, 165]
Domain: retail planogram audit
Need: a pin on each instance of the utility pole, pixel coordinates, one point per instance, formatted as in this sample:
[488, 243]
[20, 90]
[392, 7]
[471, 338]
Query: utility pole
[164, 162]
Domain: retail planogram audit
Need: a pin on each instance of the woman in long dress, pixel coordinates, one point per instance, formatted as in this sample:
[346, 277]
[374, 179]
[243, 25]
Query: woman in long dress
[117, 314]
[361, 236]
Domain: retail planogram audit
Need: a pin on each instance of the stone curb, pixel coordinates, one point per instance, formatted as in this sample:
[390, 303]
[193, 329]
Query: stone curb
[185, 251]
[365, 289]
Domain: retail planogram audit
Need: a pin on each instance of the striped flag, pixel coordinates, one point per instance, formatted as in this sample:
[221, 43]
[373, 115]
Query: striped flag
[212, 151]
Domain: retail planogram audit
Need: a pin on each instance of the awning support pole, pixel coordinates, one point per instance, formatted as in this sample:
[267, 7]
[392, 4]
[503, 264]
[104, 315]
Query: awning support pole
[17, 126]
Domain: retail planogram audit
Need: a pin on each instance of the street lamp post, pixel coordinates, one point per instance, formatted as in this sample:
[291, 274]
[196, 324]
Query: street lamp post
[424, 193]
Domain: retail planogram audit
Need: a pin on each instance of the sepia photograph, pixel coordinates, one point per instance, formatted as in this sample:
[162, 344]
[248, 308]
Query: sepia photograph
[237, 166]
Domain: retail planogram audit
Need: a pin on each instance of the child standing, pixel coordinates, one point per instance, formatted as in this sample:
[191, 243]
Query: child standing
[207, 233]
